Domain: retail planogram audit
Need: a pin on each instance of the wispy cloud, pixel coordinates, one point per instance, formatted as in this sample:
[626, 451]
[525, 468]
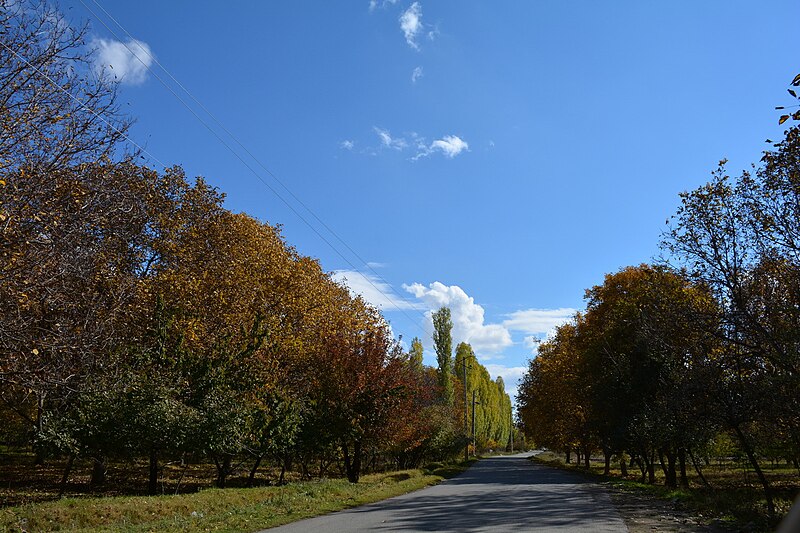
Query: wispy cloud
[449, 145]
[397, 143]
[411, 24]
[374, 290]
[375, 4]
[538, 321]
[416, 74]
[126, 62]
[433, 33]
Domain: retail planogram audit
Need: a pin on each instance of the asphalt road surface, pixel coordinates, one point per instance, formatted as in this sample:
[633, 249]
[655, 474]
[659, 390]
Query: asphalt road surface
[498, 494]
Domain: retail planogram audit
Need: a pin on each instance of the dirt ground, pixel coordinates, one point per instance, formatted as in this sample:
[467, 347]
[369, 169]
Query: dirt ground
[644, 513]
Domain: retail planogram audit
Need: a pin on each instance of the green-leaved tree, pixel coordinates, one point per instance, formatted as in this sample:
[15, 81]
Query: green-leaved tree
[443, 342]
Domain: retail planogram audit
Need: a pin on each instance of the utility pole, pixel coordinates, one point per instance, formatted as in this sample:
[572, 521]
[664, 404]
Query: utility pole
[466, 446]
[512, 430]
[474, 442]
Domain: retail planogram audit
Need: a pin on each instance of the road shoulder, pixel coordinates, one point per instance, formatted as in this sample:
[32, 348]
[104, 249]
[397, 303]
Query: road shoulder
[645, 513]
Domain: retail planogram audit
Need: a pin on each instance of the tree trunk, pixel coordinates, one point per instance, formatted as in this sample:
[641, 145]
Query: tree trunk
[569, 456]
[607, 465]
[251, 478]
[671, 479]
[62, 487]
[662, 463]
[586, 456]
[152, 482]
[98, 471]
[697, 469]
[753, 461]
[623, 465]
[352, 464]
[223, 469]
[38, 459]
[682, 463]
[286, 465]
[642, 467]
[651, 468]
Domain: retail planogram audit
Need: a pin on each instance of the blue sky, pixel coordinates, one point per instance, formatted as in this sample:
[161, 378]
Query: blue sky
[498, 158]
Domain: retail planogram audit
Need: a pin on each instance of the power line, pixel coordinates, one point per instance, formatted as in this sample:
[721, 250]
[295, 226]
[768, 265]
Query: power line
[254, 158]
[82, 104]
[153, 157]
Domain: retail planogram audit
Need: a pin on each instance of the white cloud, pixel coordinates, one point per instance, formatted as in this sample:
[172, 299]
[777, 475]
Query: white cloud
[449, 145]
[511, 376]
[411, 24]
[374, 290]
[127, 62]
[416, 74]
[531, 342]
[468, 317]
[538, 320]
[388, 141]
[375, 264]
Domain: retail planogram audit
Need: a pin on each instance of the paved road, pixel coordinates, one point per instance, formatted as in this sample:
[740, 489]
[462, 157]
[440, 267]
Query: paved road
[498, 494]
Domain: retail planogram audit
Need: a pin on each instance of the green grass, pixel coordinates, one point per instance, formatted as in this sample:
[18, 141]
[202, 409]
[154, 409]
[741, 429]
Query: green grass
[218, 509]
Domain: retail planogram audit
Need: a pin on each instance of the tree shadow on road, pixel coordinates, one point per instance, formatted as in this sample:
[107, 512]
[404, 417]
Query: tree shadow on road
[503, 495]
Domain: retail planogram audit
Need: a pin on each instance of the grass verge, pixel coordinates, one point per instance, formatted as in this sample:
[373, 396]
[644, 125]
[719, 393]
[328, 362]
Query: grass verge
[219, 509]
[729, 506]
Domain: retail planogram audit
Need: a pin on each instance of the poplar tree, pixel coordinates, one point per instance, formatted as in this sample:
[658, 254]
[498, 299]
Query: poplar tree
[443, 343]
[415, 355]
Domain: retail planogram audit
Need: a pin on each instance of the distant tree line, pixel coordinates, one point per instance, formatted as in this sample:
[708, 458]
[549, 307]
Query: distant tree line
[141, 319]
[669, 358]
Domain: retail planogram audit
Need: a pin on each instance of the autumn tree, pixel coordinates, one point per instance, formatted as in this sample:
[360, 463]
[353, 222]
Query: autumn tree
[415, 354]
[73, 244]
[646, 338]
[54, 112]
[69, 226]
[793, 92]
[139, 318]
[360, 384]
[550, 401]
[739, 236]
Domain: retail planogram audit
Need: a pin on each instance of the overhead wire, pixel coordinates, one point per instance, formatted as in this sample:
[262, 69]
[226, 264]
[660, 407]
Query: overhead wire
[241, 145]
[82, 104]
